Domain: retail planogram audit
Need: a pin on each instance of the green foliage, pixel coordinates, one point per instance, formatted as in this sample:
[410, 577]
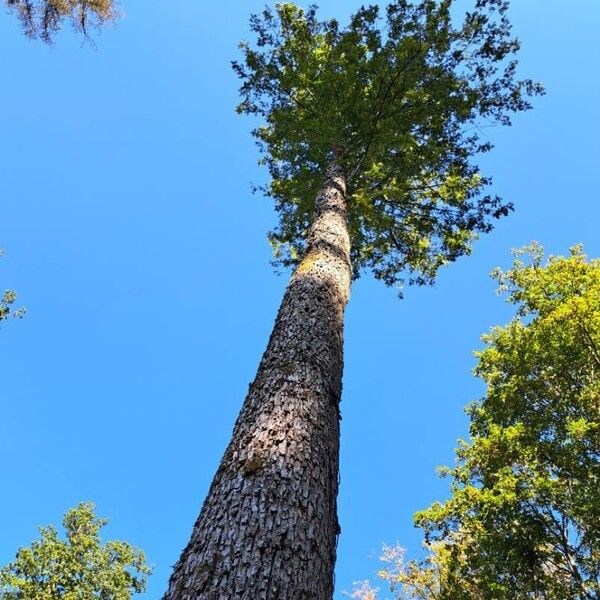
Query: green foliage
[77, 568]
[43, 18]
[523, 520]
[6, 301]
[398, 101]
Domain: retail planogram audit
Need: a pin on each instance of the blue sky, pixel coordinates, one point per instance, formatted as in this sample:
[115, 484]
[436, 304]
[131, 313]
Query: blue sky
[135, 244]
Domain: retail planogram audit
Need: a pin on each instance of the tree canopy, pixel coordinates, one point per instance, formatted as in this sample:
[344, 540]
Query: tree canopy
[43, 18]
[523, 519]
[79, 567]
[399, 100]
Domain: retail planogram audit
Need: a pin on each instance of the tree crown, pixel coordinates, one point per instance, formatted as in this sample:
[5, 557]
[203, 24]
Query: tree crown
[523, 519]
[398, 100]
[77, 568]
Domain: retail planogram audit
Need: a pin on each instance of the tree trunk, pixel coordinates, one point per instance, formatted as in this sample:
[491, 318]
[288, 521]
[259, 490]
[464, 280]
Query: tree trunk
[268, 527]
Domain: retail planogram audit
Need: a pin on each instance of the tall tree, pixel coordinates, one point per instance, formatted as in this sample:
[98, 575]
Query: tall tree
[43, 18]
[369, 134]
[523, 519]
[79, 567]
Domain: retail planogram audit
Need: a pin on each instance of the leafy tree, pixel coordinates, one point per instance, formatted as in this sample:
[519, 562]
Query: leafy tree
[523, 520]
[369, 132]
[43, 18]
[77, 568]
[6, 301]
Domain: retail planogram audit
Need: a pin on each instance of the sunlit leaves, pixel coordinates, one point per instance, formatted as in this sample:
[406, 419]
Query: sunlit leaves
[400, 97]
[523, 519]
[79, 567]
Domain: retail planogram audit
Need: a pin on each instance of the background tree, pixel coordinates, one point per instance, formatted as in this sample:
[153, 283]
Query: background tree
[77, 568]
[43, 18]
[523, 520]
[7, 299]
[368, 132]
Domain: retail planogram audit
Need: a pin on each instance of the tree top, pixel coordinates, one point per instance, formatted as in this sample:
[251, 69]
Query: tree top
[78, 567]
[399, 97]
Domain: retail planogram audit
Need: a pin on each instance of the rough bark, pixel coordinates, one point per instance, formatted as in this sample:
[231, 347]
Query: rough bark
[268, 527]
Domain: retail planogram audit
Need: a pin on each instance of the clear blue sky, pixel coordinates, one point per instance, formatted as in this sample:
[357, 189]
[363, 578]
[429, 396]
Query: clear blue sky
[134, 242]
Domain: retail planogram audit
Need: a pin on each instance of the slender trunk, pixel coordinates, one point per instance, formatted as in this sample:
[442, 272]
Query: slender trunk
[268, 528]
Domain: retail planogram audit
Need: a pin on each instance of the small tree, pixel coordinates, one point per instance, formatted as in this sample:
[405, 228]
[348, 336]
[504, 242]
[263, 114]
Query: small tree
[43, 18]
[523, 520]
[79, 567]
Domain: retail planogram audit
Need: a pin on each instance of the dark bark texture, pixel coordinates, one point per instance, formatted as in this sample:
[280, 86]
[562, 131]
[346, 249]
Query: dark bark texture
[268, 527]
